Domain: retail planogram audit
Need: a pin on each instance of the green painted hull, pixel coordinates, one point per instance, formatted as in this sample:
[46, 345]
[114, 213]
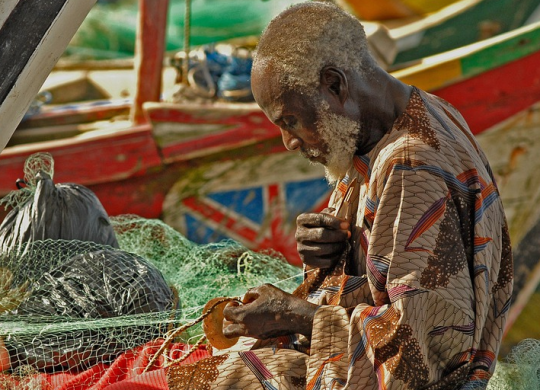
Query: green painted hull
[466, 28]
[109, 30]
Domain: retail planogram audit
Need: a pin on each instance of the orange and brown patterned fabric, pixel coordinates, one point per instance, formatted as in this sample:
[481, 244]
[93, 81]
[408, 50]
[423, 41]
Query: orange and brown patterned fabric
[423, 298]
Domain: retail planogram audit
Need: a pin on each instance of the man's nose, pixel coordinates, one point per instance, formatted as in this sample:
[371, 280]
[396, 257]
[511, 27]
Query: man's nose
[290, 141]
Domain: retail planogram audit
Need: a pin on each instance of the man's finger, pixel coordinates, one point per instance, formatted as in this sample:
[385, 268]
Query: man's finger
[321, 250]
[251, 295]
[311, 220]
[234, 312]
[321, 235]
[235, 330]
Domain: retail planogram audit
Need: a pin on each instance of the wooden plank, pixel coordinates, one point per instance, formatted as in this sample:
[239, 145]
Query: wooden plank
[225, 127]
[32, 38]
[149, 54]
[96, 157]
[78, 113]
[432, 77]
[453, 27]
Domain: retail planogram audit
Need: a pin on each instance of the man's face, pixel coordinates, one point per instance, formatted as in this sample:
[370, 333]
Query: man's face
[308, 125]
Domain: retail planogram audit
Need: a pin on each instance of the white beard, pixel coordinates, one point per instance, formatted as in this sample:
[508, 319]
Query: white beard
[340, 134]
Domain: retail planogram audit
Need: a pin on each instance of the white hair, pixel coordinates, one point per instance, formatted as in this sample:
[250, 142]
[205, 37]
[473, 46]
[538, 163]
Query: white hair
[305, 38]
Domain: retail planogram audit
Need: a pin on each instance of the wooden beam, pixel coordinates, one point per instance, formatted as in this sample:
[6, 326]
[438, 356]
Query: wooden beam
[33, 35]
[149, 54]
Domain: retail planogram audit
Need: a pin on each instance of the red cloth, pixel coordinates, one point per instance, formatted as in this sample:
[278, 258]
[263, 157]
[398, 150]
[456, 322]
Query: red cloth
[125, 373]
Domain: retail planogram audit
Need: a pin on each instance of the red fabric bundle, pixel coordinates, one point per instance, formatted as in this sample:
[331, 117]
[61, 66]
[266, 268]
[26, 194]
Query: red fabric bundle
[125, 373]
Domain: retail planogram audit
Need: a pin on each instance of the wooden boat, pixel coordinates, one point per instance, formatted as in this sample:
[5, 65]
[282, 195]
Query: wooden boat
[109, 31]
[139, 169]
[420, 28]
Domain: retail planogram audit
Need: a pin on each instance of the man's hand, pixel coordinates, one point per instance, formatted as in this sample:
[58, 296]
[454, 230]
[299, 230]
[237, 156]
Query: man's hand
[321, 238]
[268, 312]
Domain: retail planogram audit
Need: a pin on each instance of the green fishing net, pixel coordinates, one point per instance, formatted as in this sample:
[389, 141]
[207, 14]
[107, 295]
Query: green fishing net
[48, 323]
[76, 304]
[520, 370]
[74, 335]
[202, 272]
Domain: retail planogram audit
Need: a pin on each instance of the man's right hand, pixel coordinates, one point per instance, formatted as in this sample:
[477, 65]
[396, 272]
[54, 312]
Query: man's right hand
[321, 238]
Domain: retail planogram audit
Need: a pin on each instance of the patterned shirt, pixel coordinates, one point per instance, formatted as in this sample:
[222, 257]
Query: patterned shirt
[422, 298]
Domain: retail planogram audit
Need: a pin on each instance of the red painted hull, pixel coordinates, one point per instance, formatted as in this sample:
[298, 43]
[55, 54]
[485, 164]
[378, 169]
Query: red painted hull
[496, 95]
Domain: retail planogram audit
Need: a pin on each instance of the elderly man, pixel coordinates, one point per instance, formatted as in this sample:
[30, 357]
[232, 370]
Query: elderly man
[412, 283]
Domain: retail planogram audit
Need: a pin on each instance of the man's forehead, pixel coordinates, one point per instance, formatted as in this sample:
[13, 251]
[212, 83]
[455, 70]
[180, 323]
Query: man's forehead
[267, 89]
[271, 104]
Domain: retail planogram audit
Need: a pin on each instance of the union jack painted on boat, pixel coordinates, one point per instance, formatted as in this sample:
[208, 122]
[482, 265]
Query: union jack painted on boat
[261, 217]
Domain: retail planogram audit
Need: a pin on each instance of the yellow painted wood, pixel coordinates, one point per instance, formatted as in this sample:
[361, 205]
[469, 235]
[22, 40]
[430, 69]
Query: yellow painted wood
[427, 6]
[394, 9]
[379, 10]
[431, 77]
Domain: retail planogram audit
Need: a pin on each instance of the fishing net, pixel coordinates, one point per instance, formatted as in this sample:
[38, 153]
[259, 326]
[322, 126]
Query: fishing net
[520, 370]
[79, 305]
[72, 304]
[202, 272]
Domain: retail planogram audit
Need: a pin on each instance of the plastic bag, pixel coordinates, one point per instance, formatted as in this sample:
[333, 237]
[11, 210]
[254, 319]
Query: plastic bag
[62, 211]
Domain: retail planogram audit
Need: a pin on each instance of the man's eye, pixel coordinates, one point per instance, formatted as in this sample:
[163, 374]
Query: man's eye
[290, 122]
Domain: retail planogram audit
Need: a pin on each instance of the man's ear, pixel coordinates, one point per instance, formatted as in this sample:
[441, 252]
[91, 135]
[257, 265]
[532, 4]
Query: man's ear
[334, 81]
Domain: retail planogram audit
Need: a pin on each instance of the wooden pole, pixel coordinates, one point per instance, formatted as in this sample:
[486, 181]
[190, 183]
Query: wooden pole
[187, 44]
[149, 54]
[33, 35]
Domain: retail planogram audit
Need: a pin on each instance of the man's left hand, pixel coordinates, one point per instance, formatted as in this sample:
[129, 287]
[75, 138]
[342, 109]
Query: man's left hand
[268, 312]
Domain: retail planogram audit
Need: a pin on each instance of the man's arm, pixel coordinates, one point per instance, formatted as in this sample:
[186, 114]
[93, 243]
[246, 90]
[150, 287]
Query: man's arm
[269, 312]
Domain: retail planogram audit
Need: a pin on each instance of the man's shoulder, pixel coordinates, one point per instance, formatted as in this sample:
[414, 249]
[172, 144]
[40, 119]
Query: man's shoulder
[444, 112]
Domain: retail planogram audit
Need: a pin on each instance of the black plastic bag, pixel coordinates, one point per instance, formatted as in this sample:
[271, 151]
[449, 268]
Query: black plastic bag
[101, 284]
[62, 211]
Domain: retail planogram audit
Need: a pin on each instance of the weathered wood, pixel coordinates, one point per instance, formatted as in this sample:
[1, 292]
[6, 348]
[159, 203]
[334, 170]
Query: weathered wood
[497, 94]
[488, 82]
[441, 70]
[107, 155]
[32, 38]
[194, 130]
[149, 54]
[76, 114]
[460, 24]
